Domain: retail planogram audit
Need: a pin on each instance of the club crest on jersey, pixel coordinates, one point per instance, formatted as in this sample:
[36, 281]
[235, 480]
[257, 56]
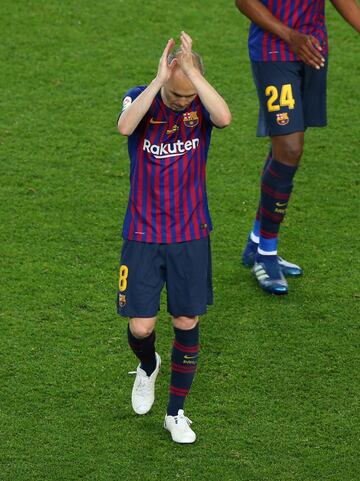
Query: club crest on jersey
[282, 118]
[122, 300]
[191, 119]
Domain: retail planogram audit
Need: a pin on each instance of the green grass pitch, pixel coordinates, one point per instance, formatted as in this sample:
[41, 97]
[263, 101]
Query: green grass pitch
[277, 392]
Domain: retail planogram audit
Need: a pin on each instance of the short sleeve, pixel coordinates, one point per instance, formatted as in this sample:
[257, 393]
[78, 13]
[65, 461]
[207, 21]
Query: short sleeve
[130, 96]
[206, 115]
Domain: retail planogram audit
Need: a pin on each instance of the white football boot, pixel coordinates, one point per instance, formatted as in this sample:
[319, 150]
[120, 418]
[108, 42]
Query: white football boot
[179, 427]
[143, 392]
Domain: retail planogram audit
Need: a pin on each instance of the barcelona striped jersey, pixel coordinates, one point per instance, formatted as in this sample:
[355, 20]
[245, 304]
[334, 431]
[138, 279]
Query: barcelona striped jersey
[305, 16]
[168, 152]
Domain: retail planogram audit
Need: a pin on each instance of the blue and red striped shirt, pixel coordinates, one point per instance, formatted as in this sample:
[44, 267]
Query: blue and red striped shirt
[305, 16]
[168, 153]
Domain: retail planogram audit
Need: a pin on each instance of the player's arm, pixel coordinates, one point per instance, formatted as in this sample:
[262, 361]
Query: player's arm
[350, 10]
[306, 47]
[133, 114]
[220, 114]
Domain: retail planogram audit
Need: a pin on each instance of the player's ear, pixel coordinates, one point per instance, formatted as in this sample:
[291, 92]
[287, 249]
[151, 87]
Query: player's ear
[173, 63]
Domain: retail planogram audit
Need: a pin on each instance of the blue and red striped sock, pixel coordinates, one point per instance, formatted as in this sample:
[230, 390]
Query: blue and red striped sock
[184, 359]
[255, 233]
[276, 187]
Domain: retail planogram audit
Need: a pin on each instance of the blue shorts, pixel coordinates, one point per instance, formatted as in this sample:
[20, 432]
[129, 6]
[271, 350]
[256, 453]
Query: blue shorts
[185, 268]
[292, 97]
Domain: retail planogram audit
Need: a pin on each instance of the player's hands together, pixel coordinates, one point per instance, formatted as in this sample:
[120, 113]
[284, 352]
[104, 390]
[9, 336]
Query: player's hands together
[308, 48]
[165, 69]
[186, 59]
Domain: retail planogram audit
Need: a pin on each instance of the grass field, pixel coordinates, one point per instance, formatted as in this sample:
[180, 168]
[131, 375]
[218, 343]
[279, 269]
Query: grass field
[277, 393]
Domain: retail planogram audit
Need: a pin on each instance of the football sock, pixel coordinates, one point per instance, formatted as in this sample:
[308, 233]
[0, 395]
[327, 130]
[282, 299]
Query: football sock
[276, 187]
[144, 350]
[183, 367]
[255, 233]
[272, 265]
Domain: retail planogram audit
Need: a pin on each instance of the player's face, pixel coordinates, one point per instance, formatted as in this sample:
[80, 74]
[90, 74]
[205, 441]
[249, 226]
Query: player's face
[178, 92]
[179, 100]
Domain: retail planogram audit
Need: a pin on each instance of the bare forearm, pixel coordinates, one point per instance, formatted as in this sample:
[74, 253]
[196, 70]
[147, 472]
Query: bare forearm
[132, 116]
[213, 102]
[259, 14]
[350, 10]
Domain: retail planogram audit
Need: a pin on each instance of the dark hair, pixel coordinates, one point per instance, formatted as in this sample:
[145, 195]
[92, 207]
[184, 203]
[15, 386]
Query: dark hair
[198, 60]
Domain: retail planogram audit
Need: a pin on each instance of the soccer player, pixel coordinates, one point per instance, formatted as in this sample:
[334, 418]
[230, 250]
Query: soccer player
[288, 51]
[167, 222]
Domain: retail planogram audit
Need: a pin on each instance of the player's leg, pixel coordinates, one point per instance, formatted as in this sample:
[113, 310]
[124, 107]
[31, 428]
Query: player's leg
[189, 286]
[281, 117]
[140, 282]
[141, 338]
[251, 248]
[248, 255]
[184, 359]
[276, 188]
[279, 172]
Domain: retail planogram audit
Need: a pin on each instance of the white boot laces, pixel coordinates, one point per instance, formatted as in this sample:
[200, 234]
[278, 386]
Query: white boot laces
[182, 418]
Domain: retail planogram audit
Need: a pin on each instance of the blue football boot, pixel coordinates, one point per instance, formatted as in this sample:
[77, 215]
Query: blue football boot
[248, 255]
[269, 275]
[287, 268]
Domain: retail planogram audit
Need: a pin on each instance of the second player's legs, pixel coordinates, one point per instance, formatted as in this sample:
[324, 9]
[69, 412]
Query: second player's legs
[288, 149]
[279, 87]
[275, 192]
[276, 188]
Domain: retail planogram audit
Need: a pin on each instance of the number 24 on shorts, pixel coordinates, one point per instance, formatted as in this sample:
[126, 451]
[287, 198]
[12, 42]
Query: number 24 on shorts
[286, 97]
[123, 275]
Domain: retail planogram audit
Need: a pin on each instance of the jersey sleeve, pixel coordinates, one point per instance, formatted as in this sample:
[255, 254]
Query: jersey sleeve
[130, 96]
[206, 117]
[209, 122]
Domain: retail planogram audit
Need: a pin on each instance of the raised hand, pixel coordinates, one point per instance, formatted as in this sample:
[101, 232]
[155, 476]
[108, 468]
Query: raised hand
[165, 69]
[307, 48]
[186, 59]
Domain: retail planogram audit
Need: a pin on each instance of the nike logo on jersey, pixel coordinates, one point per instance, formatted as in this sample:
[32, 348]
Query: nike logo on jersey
[281, 204]
[153, 121]
[190, 357]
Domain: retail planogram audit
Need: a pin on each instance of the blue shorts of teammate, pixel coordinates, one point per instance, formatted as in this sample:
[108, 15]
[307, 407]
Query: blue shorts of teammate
[184, 267]
[292, 97]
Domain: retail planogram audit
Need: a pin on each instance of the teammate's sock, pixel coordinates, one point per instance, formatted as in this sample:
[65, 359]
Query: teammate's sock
[144, 350]
[271, 265]
[276, 187]
[183, 367]
[255, 233]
